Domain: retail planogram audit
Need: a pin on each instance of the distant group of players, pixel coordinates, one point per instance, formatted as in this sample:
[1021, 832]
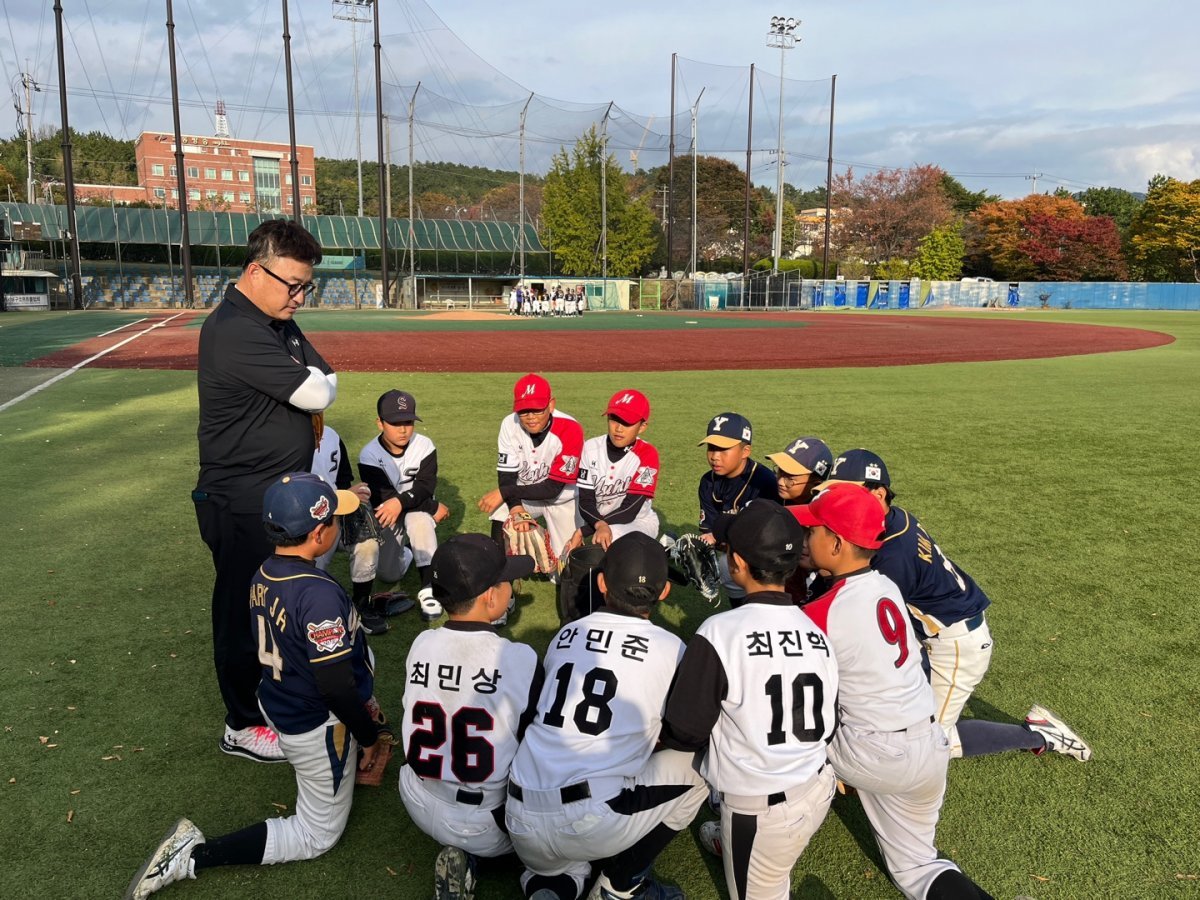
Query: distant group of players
[525, 301]
[851, 645]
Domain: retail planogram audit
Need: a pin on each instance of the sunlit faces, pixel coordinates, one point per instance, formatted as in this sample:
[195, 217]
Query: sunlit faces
[534, 421]
[395, 437]
[823, 548]
[622, 434]
[727, 461]
[281, 289]
[796, 488]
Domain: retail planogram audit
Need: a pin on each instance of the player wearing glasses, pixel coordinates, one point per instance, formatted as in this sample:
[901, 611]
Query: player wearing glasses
[263, 389]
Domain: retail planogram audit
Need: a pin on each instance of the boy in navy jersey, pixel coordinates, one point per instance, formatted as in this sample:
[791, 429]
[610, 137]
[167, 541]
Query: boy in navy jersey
[316, 681]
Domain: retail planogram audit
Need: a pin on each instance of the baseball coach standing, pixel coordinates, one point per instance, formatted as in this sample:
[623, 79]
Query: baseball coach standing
[263, 389]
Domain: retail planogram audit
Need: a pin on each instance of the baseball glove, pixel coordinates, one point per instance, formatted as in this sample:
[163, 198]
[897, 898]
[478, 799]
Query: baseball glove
[694, 562]
[386, 731]
[534, 542]
[373, 777]
[361, 525]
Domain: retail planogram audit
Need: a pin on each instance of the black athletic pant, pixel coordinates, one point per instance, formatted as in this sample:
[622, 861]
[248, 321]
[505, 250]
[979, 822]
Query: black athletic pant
[239, 545]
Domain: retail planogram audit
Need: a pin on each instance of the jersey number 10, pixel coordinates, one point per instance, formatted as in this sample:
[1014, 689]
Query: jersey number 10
[806, 685]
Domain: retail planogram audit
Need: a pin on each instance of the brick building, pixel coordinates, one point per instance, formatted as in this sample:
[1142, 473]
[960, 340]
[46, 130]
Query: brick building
[221, 172]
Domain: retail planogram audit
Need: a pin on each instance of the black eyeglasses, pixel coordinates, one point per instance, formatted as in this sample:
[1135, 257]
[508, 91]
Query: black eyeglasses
[791, 479]
[532, 412]
[305, 287]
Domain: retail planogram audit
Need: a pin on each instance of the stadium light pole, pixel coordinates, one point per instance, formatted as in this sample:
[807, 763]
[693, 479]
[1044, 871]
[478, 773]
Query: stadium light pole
[781, 35]
[355, 12]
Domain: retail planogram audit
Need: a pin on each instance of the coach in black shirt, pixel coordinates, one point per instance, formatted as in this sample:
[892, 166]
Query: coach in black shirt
[262, 388]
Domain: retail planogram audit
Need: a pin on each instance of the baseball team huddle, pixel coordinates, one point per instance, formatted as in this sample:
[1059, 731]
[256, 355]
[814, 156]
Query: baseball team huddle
[848, 650]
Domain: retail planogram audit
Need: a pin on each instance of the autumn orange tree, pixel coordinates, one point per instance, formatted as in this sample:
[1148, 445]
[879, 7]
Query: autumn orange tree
[1043, 237]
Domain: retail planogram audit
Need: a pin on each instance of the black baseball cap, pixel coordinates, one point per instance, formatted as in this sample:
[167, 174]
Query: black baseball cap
[858, 466]
[634, 560]
[300, 501]
[468, 564]
[397, 407]
[727, 430]
[764, 534]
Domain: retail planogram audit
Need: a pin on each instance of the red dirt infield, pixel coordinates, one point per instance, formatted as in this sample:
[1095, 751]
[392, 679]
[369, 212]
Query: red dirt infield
[827, 340]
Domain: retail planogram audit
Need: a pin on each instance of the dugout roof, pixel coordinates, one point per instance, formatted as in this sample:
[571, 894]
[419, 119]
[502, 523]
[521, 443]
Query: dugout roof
[107, 225]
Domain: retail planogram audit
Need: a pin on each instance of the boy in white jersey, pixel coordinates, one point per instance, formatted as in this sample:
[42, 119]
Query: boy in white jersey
[331, 463]
[400, 467]
[757, 688]
[585, 784]
[888, 745]
[618, 476]
[537, 466]
[468, 698]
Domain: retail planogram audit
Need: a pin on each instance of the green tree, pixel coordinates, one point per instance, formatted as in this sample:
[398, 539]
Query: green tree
[571, 213]
[1116, 203]
[940, 254]
[1165, 232]
[963, 201]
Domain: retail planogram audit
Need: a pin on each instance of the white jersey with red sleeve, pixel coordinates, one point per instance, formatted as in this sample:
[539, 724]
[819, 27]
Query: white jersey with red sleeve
[883, 687]
[636, 473]
[556, 457]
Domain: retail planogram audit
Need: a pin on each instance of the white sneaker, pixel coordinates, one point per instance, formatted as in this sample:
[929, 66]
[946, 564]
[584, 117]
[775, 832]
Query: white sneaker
[1059, 736]
[430, 608]
[171, 861]
[710, 837]
[258, 743]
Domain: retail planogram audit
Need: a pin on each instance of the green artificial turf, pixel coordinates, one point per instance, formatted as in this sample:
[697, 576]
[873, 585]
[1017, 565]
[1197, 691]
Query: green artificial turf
[1063, 486]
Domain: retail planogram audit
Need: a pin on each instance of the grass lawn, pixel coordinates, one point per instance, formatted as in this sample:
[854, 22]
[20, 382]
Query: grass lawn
[1062, 485]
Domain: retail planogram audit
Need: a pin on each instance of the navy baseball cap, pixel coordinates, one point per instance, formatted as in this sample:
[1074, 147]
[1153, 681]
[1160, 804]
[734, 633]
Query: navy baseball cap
[635, 560]
[299, 502]
[468, 564]
[727, 430]
[803, 456]
[764, 534]
[857, 467]
[397, 407]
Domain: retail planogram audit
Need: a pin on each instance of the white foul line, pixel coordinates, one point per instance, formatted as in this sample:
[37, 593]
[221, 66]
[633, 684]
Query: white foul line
[75, 368]
[119, 327]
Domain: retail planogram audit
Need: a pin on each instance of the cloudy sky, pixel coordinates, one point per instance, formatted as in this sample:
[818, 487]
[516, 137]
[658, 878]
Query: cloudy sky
[1079, 93]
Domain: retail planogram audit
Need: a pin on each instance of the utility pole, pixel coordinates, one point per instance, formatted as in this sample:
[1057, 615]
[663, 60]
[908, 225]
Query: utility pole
[383, 236]
[185, 243]
[30, 85]
[1034, 177]
[604, 195]
[829, 183]
[68, 166]
[387, 149]
[695, 173]
[355, 12]
[291, 107]
[412, 231]
[521, 191]
[781, 35]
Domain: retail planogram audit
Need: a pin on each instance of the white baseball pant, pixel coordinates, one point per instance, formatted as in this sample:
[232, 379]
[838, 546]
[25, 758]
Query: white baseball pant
[552, 837]
[958, 659]
[439, 810]
[559, 516]
[760, 841]
[325, 760]
[390, 560]
[901, 781]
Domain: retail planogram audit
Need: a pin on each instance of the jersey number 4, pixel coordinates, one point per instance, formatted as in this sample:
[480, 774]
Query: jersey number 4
[472, 756]
[806, 688]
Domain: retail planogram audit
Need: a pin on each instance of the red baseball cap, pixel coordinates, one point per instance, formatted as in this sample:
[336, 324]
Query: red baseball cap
[629, 406]
[531, 392]
[848, 510]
